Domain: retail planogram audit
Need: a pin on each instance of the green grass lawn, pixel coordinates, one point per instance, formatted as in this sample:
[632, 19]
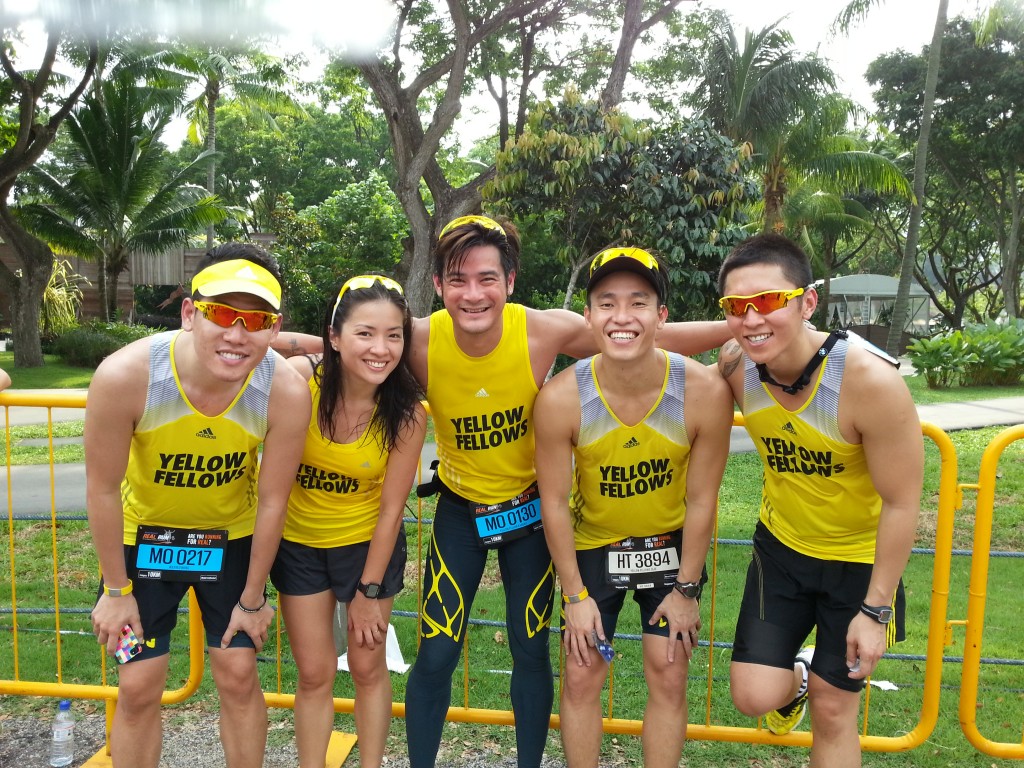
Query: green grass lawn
[53, 374]
[1001, 699]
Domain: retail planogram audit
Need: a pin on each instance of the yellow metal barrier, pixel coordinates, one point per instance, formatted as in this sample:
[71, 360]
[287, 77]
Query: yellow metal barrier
[103, 691]
[978, 591]
[948, 502]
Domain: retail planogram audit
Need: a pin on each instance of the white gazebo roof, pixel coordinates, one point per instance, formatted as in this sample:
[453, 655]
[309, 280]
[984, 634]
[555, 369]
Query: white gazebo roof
[877, 286]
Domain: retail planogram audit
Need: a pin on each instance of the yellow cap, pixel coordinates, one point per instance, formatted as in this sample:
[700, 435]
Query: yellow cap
[238, 276]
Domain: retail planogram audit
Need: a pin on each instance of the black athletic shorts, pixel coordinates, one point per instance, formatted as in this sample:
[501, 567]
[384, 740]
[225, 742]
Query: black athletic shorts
[610, 599]
[788, 594]
[303, 570]
[158, 601]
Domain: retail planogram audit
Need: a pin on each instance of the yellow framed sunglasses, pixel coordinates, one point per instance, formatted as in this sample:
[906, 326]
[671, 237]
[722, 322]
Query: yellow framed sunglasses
[364, 281]
[764, 303]
[637, 254]
[483, 221]
[221, 314]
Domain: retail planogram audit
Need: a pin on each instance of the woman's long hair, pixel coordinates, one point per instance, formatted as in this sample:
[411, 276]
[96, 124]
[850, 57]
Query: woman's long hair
[396, 398]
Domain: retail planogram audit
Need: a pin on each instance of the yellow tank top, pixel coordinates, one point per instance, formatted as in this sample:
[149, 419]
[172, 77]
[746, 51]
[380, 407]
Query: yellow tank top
[187, 470]
[629, 481]
[482, 409]
[818, 497]
[336, 497]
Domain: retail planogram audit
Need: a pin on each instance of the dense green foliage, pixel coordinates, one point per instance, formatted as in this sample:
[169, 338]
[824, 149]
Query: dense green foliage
[989, 354]
[88, 345]
[598, 179]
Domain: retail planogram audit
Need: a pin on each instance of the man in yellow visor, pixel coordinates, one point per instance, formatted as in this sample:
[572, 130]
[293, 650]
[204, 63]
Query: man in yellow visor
[177, 498]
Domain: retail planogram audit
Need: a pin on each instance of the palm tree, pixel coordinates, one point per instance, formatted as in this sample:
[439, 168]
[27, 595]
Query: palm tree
[856, 10]
[817, 149]
[118, 198]
[750, 93]
[255, 80]
[764, 94]
[822, 220]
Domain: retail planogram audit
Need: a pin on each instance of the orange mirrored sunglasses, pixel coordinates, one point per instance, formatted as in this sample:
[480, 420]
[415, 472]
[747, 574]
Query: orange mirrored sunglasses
[763, 303]
[221, 314]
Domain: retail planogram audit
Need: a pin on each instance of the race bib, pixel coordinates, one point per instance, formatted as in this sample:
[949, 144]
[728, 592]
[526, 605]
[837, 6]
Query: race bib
[643, 562]
[498, 524]
[176, 554]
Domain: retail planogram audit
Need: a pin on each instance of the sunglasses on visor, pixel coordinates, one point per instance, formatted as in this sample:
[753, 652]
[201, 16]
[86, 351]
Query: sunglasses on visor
[637, 254]
[225, 316]
[763, 303]
[483, 221]
[364, 281]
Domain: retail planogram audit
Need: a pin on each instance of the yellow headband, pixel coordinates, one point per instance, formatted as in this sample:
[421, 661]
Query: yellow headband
[238, 276]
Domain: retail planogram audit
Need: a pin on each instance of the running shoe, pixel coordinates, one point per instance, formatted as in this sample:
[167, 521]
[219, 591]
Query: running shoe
[785, 719]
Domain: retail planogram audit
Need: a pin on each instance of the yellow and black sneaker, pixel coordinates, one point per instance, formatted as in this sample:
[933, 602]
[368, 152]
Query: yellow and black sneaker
[783, 720]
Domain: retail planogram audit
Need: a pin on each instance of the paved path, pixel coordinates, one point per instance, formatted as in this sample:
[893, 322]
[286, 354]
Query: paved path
[31, 485]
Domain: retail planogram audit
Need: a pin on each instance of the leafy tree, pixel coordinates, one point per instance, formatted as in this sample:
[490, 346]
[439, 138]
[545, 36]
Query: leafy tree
[42, 99]
[357, 229]
[977, 133]
[309, 158]
[595, 179]
[822, 221]
[118, 198]
[451, 43]
[258, 82]
[857, 9]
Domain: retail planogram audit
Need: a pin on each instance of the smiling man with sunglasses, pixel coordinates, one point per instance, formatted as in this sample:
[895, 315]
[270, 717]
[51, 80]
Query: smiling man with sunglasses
[177, 498]
[841, 445]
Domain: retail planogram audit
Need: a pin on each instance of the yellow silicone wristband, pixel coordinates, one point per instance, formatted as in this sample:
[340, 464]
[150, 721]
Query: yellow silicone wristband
[578, 598]
[119, 591]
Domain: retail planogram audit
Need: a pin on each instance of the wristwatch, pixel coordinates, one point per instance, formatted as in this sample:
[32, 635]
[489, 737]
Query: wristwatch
[690, 589]
[880, 613]
[371, 590]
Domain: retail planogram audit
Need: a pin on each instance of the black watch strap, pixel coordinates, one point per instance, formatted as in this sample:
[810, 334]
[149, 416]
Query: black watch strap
[371, 590]
[880, 613]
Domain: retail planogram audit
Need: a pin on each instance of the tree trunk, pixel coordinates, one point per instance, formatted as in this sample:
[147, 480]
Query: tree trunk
[902, 304]
[26, 291]
[212, 95]
[1011, 257]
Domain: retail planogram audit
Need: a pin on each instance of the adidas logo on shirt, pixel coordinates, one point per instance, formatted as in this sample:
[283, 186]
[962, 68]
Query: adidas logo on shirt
[631, 443]
[208, 433]
[788, 427]
[482, 393]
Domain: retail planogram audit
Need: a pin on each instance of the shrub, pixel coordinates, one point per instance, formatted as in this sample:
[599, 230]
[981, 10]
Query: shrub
[989, 354]
[88, 345]
[998, 354]
[941, 358]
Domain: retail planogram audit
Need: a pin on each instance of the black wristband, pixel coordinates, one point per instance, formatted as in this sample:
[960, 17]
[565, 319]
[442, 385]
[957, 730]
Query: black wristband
[243, 609]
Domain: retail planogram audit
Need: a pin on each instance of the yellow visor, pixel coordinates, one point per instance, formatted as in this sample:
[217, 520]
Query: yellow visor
[238, 276]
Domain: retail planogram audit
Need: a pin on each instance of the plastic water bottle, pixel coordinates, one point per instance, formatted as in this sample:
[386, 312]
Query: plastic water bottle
[62, 747]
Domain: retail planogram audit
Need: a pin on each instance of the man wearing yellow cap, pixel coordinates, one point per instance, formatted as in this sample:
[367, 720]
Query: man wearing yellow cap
[631, 447]
[177, 499]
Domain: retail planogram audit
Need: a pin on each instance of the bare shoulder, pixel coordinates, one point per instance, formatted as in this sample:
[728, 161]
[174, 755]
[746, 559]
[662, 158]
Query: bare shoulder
[708, 396]
[123, 372]
[558, 392]
[730, 358]
[290, 383]
[304, 364]
[876, 392]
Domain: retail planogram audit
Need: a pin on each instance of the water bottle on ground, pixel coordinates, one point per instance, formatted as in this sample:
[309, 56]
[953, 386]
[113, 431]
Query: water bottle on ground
[62, 747]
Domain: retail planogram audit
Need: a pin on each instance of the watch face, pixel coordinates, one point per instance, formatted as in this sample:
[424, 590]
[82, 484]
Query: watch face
[885, 615]
[692, 591]
[372, 591]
